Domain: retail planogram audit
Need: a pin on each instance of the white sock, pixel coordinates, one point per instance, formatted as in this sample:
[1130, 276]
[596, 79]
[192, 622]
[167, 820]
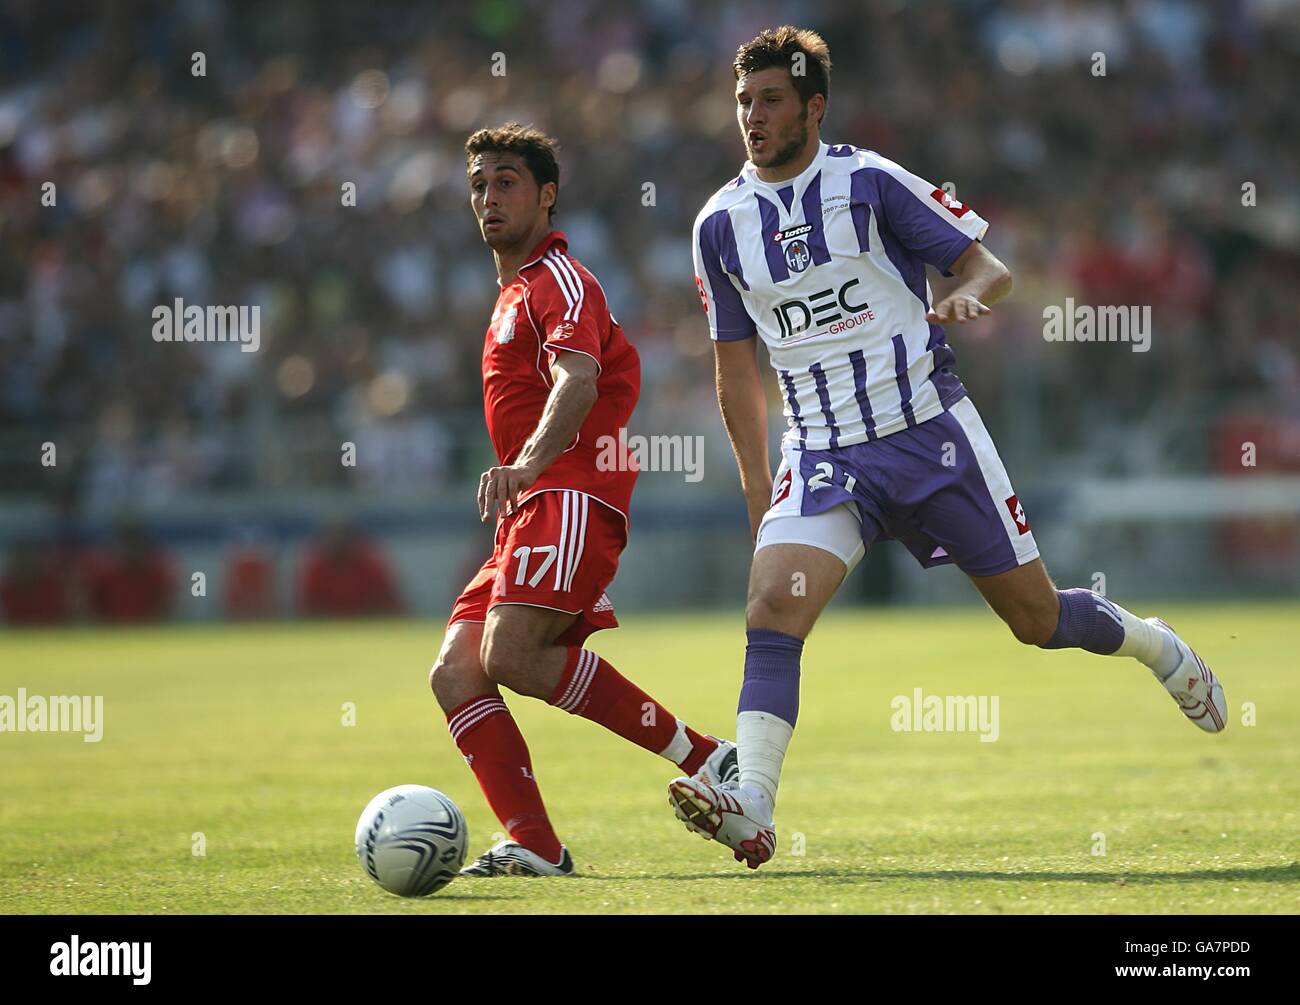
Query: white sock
[761, 741]
[1149, 644]
[680, 747]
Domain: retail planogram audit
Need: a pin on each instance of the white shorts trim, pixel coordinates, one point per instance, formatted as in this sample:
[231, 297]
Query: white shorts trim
[594, 498]
[837, 530]
[523, 603]
[995, 478]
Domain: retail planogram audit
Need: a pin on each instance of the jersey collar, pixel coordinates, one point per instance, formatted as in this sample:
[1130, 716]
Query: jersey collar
[555, 237]
[799, 181]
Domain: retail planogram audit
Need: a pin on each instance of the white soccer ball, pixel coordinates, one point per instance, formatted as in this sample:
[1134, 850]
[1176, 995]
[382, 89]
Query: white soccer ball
[411, 840]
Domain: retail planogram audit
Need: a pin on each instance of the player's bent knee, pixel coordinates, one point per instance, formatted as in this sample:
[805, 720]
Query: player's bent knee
[456, 671]
[769, 609]
[449, 674]
[504, 664]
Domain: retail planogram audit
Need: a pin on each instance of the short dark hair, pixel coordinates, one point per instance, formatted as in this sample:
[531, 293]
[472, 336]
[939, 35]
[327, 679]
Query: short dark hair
[534, 146]
[777, 47]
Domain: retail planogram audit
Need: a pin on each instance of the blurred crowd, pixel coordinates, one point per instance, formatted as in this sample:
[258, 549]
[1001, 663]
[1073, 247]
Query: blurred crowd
[1171, 180]
[131, 578]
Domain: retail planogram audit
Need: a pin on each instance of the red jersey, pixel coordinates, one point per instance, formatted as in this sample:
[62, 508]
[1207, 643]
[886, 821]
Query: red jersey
[553, 304]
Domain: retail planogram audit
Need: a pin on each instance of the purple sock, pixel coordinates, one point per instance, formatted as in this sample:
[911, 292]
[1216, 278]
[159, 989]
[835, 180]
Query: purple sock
[771, 674]
[1088, 621]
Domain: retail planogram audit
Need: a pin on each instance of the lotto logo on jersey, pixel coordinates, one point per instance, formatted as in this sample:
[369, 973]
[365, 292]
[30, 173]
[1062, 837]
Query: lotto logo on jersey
[704, 297]
[954, 207]
[1017, 514]
[792, 233]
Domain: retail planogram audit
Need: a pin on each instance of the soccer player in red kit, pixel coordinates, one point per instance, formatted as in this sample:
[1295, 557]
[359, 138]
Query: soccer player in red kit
[559, 381]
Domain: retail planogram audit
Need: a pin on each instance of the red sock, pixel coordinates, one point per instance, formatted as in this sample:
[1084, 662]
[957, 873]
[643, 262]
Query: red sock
[593, 689]
[487, 735]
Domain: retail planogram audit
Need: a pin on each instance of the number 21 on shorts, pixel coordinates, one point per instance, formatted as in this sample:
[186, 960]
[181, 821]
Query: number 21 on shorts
[822, 479]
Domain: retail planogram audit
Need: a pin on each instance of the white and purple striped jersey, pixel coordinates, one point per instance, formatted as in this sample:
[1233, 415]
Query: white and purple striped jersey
[829, 268]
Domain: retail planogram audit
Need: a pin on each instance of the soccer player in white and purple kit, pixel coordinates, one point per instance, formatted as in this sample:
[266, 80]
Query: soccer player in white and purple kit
[821, 252]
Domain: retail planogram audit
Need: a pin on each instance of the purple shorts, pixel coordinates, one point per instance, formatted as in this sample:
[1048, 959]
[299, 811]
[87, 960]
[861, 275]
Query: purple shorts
[938, 487]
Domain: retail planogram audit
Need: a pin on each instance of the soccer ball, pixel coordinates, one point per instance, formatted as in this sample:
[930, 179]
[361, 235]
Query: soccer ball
[411, 840]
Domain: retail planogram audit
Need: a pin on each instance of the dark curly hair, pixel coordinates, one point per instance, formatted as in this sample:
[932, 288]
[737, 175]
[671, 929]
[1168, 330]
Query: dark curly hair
[534, 146]
[777, 47]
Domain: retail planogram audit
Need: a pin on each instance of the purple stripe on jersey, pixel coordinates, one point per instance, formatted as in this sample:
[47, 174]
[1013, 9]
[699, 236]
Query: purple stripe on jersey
[945, 380]
[943, 355]
[860, 208]
[812, 214]
[900, 374]
[719, 232]
[787, 196]
[718, 248]
[794, 406]
[842, 150]
[860, 391]
[865, 199]
[776, 266]
[824, 396]
[948, 386]
[918, 227]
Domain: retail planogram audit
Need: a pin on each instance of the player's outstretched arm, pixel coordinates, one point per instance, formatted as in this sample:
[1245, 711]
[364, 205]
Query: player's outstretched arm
[566, 409]
[984, 281]
[744, 413]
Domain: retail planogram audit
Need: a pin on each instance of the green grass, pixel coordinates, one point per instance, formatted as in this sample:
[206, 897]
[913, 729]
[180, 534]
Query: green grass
[236, 733]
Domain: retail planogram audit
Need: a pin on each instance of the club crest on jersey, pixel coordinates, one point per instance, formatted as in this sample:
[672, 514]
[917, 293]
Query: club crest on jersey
[506, 329]
[797, 256]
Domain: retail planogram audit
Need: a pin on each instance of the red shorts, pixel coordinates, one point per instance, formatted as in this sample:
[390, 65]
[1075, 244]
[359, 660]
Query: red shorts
[560, 550]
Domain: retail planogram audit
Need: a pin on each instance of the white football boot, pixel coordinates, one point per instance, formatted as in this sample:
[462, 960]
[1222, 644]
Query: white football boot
[510, 858]
[1194, 687]
[720, 766]
[727, 813]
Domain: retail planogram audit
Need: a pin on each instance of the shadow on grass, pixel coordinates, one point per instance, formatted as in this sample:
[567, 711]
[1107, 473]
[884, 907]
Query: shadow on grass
[467, 897]
[1261, 874]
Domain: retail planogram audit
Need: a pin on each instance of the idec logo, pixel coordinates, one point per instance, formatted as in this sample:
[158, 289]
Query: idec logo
[954, 207]
[704, 297]
[1017, 514]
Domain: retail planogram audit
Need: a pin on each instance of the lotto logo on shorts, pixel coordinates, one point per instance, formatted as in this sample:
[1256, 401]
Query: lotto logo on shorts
[1018, 514]
[782, 489]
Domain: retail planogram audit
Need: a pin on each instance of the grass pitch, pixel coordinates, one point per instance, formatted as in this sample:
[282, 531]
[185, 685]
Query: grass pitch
[237, 734]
